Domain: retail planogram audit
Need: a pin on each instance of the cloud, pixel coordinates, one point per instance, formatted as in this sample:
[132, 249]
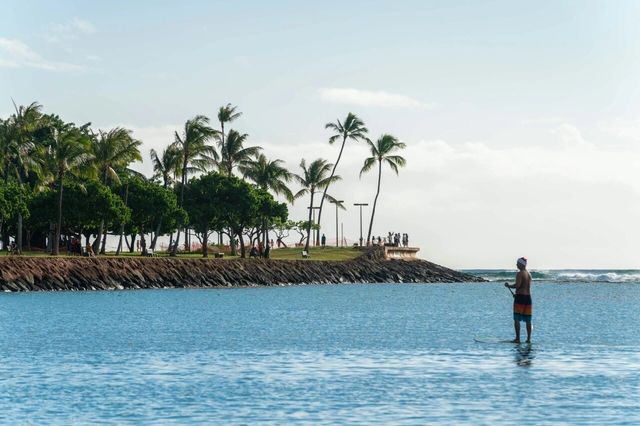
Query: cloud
[622, 128]
[71, 30]
[367, 98]
[16, 54]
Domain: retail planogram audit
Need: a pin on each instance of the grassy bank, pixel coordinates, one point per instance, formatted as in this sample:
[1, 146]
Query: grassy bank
[316, 253]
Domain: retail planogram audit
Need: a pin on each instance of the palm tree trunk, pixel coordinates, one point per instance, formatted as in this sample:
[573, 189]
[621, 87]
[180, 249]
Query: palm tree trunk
[56, 242]
[50, 237]
[174, 249]
[19, 233]
[375, 201]
[306, 245]
[126, 198]
[326, 188]
[242, 250]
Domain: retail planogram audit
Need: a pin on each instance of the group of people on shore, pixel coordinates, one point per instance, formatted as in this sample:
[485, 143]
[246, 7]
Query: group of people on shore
[260, 250]
[74, 248]
[392, 240]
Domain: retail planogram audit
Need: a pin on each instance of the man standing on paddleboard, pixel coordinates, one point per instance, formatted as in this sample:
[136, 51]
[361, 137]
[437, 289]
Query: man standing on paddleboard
[522, 305]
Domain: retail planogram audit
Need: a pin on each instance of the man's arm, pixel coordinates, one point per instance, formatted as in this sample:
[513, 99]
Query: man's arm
[518, 283]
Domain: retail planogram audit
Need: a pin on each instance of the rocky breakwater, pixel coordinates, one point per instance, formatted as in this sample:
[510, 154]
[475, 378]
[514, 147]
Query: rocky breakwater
[105, 273]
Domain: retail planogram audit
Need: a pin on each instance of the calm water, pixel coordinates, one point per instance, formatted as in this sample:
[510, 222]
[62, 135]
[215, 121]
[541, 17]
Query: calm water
[399, 354]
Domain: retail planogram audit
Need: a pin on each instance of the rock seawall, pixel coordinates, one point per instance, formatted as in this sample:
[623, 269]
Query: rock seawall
[105, 273]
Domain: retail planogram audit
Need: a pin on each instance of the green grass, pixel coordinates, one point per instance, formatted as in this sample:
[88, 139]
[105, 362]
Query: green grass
[294, 253]
[317, 253]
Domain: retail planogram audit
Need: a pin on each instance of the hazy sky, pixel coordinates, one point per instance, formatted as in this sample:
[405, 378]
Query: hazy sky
[521, 119]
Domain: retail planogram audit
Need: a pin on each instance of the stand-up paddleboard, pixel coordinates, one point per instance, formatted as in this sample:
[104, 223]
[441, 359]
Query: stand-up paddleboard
[491, 340]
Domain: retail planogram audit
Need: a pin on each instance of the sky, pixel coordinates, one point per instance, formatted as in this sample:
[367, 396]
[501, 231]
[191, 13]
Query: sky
[521, 119]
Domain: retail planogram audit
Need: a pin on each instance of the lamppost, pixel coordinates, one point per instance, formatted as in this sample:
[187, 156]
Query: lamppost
[338, 203]
[361, 205]
[313, 209]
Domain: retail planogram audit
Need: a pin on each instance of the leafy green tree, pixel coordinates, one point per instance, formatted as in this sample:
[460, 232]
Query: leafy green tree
[282, 229]
[302, 227]
[195, 154]
[382, 152]
[86, 206]
[352, 128]
[17, 148]
[204, 205]
[13, 202]
[314, 178]
[152, 204]
[113, 151]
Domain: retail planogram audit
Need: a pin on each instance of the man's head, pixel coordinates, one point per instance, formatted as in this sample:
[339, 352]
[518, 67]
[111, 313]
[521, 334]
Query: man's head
[522, 263]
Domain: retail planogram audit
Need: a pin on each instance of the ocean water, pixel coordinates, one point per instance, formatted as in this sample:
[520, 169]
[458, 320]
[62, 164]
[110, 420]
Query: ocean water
[334, 354]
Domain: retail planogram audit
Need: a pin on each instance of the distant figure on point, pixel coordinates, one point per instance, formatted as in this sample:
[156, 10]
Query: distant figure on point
[522, 304]
[254, 252]
[323, 240]
[89, 250]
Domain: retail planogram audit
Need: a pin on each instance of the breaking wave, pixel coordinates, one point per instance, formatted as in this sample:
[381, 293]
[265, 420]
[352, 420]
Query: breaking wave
[564, 275]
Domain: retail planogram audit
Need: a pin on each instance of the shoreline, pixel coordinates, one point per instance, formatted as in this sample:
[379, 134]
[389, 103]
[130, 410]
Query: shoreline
[21, 274]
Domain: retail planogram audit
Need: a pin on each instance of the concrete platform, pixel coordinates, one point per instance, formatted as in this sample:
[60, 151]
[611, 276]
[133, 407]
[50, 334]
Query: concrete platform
[405, 253]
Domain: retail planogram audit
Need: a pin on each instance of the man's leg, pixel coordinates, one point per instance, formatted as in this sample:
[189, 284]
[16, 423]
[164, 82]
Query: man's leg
[516, 325]
[529, 328]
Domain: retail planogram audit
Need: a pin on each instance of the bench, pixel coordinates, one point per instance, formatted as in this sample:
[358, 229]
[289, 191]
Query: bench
[218, 255]
[150, 253]
[305, 254]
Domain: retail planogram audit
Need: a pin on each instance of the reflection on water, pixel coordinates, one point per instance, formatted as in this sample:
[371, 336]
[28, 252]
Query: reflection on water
[524, 354]
[395, 354]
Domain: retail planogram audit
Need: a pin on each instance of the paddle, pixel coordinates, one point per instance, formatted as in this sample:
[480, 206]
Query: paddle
[510, 291]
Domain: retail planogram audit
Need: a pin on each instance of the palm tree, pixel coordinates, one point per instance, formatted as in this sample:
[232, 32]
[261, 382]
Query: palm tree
[381, 152]
[227, 114]
[164, 167]
[113, 151]
[70, 150]
[17, 148]
[351, 129]
[267, 175]
[314, 178]
[194, 153]
[233, 153]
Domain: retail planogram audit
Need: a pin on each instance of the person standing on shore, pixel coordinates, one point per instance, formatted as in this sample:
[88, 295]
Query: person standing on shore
[522, 304]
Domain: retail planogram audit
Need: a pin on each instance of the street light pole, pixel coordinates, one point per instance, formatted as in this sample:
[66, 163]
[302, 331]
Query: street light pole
[361, 205]
[337, 203]
[316, 242]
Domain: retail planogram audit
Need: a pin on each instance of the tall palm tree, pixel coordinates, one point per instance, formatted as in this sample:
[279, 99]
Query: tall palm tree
[233, 153]
[195, 155]
[382, 151]
[70, 150]
[113, 151]
[227, 114]
[164, 167]
[352, 128]
[314, 178]
[18, 147]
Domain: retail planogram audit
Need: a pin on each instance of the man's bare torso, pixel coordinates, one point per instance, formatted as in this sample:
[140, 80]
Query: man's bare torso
[523, 282]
